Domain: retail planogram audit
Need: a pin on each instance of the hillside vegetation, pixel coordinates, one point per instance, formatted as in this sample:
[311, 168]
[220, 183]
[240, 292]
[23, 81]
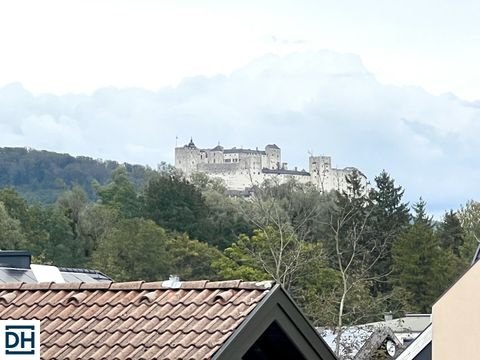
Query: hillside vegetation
[345, 257]
[41, 176]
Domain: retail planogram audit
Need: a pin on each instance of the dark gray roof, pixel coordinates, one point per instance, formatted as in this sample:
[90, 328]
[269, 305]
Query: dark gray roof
[476, 257]
[375, 342]
[359, 342]
[218, 148]
[273, 146]
[84, 274]
[286, 172]
[275, 329]
[13, 275]
[420, 348]
[191, 144]
[244, 151]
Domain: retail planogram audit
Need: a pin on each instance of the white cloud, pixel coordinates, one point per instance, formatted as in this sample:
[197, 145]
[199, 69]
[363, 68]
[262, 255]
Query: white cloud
[324, 102]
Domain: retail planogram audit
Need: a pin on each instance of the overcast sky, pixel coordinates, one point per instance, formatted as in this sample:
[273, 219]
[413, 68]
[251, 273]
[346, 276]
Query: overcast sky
[374, 84]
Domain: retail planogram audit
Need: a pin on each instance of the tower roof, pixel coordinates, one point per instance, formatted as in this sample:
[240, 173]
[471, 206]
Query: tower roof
[191, 144]
[218, 147]
[272, 146]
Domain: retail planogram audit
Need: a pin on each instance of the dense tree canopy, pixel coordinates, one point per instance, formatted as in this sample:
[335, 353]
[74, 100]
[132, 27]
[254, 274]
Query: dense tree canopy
[346, 257]
[42, 175]
[175, 204]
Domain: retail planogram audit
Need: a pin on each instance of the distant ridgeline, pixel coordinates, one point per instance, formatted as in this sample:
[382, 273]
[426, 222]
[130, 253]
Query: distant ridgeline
[241, 169]
[42, 175]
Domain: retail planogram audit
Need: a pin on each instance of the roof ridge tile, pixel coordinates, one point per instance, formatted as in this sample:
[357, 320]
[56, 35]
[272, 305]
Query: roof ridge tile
[198, 284]
[63, 286]
[152, 285]
[101, 285]
[37, 286]
[132, 285]
[11, 286]
[140, 285]
[229, 284]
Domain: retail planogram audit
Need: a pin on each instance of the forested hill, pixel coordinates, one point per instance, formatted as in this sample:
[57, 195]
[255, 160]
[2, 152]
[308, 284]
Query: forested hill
[40, 176]
[346, 258]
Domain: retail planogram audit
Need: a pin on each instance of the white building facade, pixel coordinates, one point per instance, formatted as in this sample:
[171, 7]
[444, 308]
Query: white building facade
[241, 169]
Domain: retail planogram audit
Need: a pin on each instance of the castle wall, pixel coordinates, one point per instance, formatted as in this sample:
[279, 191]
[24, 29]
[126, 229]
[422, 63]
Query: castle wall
[243, 168]
[219, 168]
[253, 161]
[238, 179]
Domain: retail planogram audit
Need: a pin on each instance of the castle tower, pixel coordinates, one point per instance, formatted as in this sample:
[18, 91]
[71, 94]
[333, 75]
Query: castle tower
[216, 155]
[320, 170]
[187, 157]
[274, 157]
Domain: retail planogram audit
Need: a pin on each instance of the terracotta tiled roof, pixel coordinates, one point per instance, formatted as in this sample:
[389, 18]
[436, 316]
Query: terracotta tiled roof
[136, 320]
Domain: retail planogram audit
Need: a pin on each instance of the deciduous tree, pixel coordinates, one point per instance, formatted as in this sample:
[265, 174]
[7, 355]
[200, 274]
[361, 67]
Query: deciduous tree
[135, 249]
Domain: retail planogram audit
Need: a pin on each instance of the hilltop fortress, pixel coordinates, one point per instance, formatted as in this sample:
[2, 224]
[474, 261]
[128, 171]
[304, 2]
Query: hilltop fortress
[240, 169]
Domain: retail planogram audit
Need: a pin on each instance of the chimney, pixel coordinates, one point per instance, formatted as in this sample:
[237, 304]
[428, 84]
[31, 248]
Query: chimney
[388, 316]
[18, 259]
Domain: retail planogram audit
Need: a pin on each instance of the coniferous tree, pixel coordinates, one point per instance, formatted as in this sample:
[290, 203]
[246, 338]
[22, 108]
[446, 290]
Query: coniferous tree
[451, 233]
[390, 216]
[421, 267]
[420, 214]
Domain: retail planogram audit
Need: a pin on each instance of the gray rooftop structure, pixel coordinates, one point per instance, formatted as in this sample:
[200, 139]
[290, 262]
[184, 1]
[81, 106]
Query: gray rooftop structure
[244, 151]
[16, 267]
[360, 342]
[286, 172]
[12, 275]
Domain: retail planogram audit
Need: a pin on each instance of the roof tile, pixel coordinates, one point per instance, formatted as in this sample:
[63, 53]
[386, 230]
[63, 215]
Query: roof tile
[134, 320]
